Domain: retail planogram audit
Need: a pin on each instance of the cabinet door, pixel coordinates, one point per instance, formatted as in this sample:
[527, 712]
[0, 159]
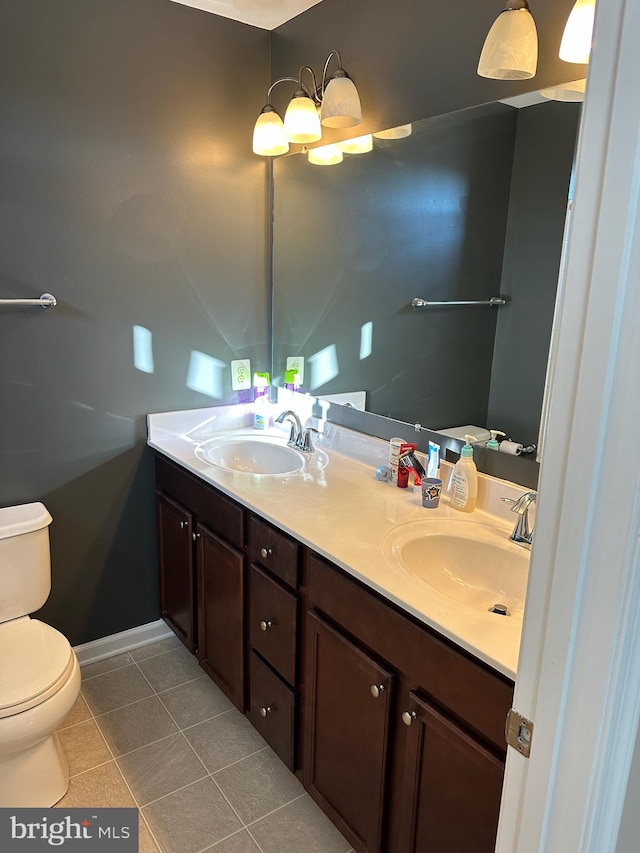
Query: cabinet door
[451, 788]
[221, 594]
[347, 733]
[175, 557]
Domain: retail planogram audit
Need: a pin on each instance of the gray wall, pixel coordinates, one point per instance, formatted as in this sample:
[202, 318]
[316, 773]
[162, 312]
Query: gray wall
[128, 190]
[542, 164]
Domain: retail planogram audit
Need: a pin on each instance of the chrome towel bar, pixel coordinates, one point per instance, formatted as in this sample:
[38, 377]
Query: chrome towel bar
[494, 302]
[47, 300]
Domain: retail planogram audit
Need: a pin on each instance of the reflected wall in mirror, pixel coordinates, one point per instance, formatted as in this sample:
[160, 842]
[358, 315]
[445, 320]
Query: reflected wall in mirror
[471, 205]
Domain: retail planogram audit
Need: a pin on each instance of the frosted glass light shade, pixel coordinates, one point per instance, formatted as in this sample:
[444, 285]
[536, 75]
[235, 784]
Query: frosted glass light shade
[301, 121]
[568, 92]
[341, 103]
[269, 139]
[326, 155]
[576, 39]
[510, 51]
[357, 145]
[399, 132]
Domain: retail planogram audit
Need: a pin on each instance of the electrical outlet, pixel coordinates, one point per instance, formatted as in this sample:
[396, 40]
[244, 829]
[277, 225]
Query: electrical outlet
[296, 362]
[241, 374]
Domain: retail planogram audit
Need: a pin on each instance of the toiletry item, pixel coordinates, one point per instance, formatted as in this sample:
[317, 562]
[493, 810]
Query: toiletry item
[431, 490]
[261, 400]
[394, 453]
[463, 488]
[433, 459]
[292, 380]
[402, 477]
[409, 459]
[493, 443]
[383, 473]
[511, 447]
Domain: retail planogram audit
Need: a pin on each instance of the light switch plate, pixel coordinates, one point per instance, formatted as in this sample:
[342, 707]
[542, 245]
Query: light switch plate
[296, 362]
[241, 374]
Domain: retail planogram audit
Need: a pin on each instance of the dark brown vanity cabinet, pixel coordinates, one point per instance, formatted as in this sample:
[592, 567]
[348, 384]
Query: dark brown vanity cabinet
[396, 733]
[404, 733]
[175, 560]
[273, 637]
[202, 573]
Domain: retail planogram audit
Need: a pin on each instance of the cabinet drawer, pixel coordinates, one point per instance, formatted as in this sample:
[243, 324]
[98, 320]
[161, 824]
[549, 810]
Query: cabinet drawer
[221, 515]
[274, 550]
[469, 690]
[272, 709]
[273, 618]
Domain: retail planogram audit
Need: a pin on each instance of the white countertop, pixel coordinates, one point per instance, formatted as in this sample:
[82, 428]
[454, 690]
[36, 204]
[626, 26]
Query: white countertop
[343, 513]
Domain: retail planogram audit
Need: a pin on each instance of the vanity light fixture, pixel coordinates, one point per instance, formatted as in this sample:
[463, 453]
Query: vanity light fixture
[333, 103]
[576, 39]
[510, 50]
[357, 145]
[325, 155]
[572, 92]
[399, 132]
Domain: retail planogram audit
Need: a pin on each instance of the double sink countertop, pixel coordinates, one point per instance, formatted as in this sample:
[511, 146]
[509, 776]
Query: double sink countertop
[342, 512]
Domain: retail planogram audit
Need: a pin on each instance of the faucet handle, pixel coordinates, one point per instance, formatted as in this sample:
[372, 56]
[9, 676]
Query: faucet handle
[521, 504]
[305, 442]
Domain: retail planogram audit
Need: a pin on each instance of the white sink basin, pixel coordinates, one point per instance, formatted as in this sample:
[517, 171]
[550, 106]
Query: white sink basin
[252, 454]
[473, 563]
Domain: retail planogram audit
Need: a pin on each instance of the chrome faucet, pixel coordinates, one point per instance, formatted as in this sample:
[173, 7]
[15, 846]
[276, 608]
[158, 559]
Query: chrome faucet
[295, 434]
[522, 533]
[298, 437]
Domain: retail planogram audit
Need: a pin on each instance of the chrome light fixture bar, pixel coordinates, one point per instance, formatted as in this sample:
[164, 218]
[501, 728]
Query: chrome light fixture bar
[335, 103]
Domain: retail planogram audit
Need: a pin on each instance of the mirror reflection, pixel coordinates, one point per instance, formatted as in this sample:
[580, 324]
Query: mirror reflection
[471, 205]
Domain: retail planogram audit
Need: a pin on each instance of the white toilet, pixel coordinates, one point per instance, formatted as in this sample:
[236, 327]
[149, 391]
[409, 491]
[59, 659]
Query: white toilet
[39, 672]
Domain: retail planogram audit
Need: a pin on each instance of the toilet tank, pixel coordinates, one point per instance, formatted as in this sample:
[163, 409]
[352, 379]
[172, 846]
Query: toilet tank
[25, 561]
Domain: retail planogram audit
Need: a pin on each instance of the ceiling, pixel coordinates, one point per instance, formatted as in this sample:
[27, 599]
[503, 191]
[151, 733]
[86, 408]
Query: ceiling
[267, 14]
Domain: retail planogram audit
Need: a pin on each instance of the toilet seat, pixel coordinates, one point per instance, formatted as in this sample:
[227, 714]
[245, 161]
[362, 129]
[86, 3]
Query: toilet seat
[36, 662]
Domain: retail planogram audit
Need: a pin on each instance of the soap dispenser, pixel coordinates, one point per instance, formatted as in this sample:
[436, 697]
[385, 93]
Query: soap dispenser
[493, 443]
[463, 487]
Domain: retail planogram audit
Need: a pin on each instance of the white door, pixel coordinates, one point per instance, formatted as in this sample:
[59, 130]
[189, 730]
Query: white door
[579, 671]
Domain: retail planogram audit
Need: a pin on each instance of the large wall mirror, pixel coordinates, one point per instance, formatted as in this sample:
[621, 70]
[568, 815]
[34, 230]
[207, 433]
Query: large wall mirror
[471, 205]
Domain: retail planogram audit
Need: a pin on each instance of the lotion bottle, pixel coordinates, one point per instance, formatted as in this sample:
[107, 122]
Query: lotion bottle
[463, 487]
[493, 443]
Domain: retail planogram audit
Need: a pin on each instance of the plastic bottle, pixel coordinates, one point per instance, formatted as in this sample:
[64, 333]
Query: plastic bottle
[463, 487]
[261, 400]
[493, 443]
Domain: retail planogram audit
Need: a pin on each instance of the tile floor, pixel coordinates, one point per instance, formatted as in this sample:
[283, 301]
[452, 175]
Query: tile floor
[151, 730]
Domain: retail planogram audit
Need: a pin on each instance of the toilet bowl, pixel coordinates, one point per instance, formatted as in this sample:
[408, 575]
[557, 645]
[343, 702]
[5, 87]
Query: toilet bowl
[39, 672]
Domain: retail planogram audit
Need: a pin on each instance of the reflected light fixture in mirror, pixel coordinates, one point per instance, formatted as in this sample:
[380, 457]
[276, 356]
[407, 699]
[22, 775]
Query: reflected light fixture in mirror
[572, 92]
[326, 155]
[335, 103]
[576, 39]
[357, 145]
[400, 132]
[510, 50]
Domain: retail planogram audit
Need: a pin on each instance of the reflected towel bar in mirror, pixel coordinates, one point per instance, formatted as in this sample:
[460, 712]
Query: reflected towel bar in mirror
[494, 302]
[47, 300]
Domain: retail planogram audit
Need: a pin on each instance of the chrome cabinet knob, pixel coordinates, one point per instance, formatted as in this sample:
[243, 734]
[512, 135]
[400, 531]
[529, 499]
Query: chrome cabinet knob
[195, 536]
[264, 626]
[265, 552]
[266, 709]
[183, 524]
[377, 690]
[408, 717]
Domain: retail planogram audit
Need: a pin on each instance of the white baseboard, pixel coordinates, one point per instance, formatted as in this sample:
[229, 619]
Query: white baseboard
[116, 644]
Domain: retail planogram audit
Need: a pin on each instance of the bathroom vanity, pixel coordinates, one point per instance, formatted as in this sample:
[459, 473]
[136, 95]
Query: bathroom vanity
[395, 728]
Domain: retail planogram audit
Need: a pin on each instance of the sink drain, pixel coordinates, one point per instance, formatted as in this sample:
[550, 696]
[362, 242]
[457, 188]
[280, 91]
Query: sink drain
[500, 610]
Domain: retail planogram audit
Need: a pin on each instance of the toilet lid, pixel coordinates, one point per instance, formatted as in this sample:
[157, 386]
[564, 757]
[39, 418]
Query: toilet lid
[33, 657]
